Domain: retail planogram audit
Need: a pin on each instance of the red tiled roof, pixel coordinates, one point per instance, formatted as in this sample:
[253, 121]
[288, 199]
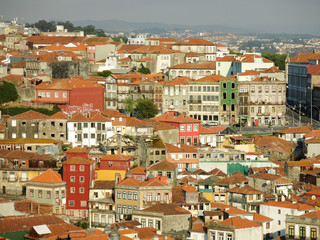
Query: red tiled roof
[286, 204]
[138, 170]
[30, 115]
[158, 126]
[112, 113]
[48, 176]
[2, 127]
[13, 78]
[261, 218]
[78, 150]
[194, 41]
[212, 130]
[167, 209]
[163, 165]
[303, 129]
[217, 172]
[183, 148]
[273, 69]
[115, 157]
[273, 143]
[59, 115]
[97, 117]
[239, 223]
[188, 188]
[178, 81]
[175, 117]
[249, 73]
[303, 57]
[77, 160]
[53, 39]
[209, 79]
[78, 117]
[68, 84]
[313, 214]
[314, 133]
[233, 179]
[245, 190]
[209, 65]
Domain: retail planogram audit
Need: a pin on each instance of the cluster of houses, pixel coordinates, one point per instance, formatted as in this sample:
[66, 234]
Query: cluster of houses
[168, 177]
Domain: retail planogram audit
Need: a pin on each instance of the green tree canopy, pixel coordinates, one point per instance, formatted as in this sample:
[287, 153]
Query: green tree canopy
[142, 69]
[105, 73]
[129, 106]
[8, 92]
[146, 109]
[278, 59]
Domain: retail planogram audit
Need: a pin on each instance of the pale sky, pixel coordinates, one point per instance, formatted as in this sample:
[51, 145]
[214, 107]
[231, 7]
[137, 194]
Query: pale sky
[291, 16]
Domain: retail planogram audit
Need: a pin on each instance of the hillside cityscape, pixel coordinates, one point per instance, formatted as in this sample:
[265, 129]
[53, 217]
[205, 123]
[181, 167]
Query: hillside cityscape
[117, 130]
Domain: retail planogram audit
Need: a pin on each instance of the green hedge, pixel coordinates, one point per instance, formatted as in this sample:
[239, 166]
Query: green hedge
[12, 111]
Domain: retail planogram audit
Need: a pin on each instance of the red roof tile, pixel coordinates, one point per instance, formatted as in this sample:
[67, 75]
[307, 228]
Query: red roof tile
[209, 65]
[59, 115]
[239, 223]
[167, 209]
[209, 79]
[115, 157]
[303, 57]
[175, 117]
[194, 41]
[261, 218]
[30, 115]
[303, 129]
[245, 190]
[77, 160]
[163, 165]
[286, 204]
[48, 176]
[138, 170]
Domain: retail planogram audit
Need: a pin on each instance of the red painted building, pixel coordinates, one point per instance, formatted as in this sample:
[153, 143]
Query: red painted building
[188, 126]
[115, 162]
[71, 94]
[78, 173]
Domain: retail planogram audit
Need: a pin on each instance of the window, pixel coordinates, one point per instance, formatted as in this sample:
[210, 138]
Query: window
[64, 95]
[129, 195]
[157, 225]
[143, 223]
[221, 236]
[229, 237]
[224, 85]
[81, 190]
[48, 194]
[31, 193]
[14, 123]
[93, 125]
[279, 222]
[213, 236]
[150, 223]
[85, 135]
[40, 194]
[72, 190]
[189, 127]
[71, 203]
[182, 128]
[195, 128]
[169, 175]
[62, 194]
[83, 203]
[313, 233]
[279, 211]
[135, 196]
[110, 163]
[72, 167]
[302, 232]
[82, 168]
[81, 179]
[93, 136]
[268, 225]
[159, 173]
[56, 94]
[118, 194]
[72, 179]
[124, 195]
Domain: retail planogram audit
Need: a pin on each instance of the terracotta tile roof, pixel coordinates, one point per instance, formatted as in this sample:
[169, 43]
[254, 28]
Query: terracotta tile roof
[104, 185]
[129, 182]
[59, 115]
[314, 69]
[265, 176]
[152, 182]
[115, 157]
[313, 140]
[313, 214]
[183, 148]
[112, 113]
[209, 79]
[138, 170]
[239, 223]
[273, 143]
[97, 117]
[30, 115]
[20, 223]
[146, 60]
[163, 165]
[128, 48]
[77, 160]
[245, 190]
[146, 232]
[261, 218]
[249, 73]
[68, 84]
[178, 81]
[75, 47]
[4, 200]
[158, 126]
[48, 176]
[251, 58]
[314, 133]
[265, 79]
[53, 39]
[28, 206]
[303, 129]
[167, 209]
[212, 130]
[187, 188]
[233, 179]
[217, 172]
[78, 117]
[209, 65]
[273, 69]
[135, 122]
[13, 78]
[124, 59]
[175, 117]
[303, 57]
[56, 229]
[197, 227]
[78, 150]
[286, 204]
[192, 54]
[194, 41]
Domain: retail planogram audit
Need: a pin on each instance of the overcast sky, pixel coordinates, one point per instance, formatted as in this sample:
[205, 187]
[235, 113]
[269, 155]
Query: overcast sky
[294, 16]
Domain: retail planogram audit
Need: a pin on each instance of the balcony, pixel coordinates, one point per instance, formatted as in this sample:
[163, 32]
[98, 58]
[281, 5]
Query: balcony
[195, 101]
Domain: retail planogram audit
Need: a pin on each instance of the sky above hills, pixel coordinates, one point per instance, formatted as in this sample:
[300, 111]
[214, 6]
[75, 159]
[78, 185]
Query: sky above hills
[278, 16]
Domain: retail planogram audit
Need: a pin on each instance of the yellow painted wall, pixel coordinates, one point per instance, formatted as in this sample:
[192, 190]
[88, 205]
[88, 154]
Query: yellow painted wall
[109, 175]
[209, 196]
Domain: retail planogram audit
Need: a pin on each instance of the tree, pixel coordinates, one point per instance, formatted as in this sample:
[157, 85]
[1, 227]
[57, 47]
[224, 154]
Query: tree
[143, 69]
[278, 59]
[105, 73]
[146, 109]
[8, 92]
[129, 106]
[120, 39]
